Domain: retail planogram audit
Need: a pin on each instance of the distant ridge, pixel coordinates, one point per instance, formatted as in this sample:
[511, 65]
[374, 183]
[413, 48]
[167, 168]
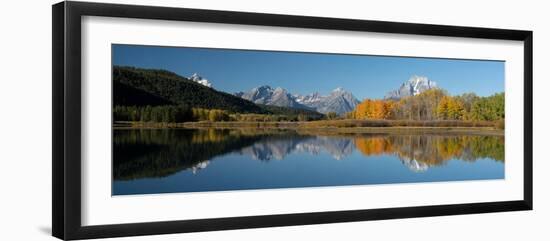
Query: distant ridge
[339, 100]
[266, 95]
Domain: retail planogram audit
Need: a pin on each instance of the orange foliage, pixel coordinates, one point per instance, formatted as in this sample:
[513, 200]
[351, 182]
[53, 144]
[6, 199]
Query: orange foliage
[373, 146]
[374, 109]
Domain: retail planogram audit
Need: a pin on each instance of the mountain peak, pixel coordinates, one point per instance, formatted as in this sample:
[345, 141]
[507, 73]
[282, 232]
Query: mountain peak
[266, 95]
[198, 79]
[279, 89]
[195, 76]
[414, 86]
[267, 87]
[419, 82]
[339, 100]
[339, 89]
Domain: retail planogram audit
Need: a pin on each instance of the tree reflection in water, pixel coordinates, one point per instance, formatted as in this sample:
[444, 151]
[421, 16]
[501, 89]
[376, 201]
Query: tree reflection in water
[161, 152]
[419, 152]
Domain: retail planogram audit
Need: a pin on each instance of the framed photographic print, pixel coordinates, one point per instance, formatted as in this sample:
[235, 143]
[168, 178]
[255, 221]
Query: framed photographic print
[170, 120]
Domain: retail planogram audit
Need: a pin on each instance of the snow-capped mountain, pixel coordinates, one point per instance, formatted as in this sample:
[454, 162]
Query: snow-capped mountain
[196, 78]
[273, 149]
[199, 166]
[414, 86]
[414, 165]
[339, 100]
[309, 99]
[266, 95]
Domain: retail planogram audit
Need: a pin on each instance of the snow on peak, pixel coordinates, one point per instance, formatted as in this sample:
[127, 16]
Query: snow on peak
[414, 86]
[339, 89]
[263, 88]
[198, 79]
[279, 89]
[339, 100]
[420, 83]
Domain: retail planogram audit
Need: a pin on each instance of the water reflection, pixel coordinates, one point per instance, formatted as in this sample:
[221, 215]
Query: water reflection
[159, 153]
[279, 147]
[419, 152]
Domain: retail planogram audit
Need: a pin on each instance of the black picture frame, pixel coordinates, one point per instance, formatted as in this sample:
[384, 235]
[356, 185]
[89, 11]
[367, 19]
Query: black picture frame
[66, 168]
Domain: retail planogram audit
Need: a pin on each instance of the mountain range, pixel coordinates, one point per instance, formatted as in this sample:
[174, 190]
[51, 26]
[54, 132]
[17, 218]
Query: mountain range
[278, 148]
[265, 95]
[141, 87]
[414, 86]
[339, 100]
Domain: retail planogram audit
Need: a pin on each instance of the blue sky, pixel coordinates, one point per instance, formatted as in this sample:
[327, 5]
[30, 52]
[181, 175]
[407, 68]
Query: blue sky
[303, 73]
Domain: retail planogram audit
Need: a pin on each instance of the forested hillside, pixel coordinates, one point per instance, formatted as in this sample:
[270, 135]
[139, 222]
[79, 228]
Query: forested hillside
[178, 90]
[125, 95]
[151, 95]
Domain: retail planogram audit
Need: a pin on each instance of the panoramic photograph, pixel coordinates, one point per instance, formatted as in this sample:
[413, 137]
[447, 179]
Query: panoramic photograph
[187, 119]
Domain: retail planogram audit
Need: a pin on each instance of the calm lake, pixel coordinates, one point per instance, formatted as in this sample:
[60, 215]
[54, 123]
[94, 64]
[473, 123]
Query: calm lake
[149, 161]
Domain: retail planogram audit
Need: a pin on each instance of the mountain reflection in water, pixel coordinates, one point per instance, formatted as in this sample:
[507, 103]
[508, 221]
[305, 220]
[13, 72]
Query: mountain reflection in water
[148, 153]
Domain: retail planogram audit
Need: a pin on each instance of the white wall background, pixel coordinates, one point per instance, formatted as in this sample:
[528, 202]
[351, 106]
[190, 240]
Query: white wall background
[25, 122]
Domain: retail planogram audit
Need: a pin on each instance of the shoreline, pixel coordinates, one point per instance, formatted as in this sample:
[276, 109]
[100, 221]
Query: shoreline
[304, 127]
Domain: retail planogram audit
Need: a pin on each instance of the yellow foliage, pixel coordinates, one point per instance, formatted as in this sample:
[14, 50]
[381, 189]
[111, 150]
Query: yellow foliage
[374, 109]
[373, 146]
[450, 108]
